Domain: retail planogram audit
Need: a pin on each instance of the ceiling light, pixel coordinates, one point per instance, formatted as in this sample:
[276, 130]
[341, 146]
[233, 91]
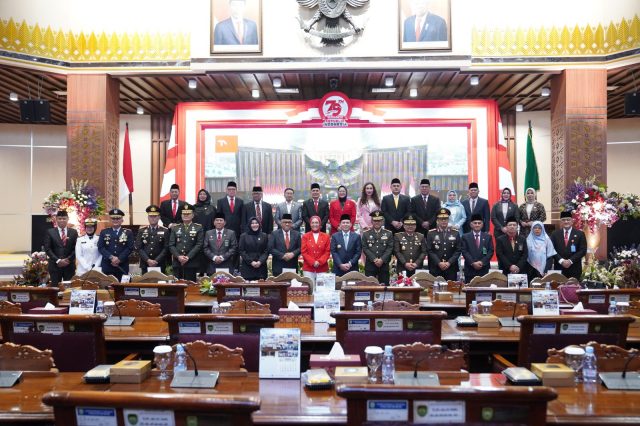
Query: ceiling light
[519, 108]
[140, 110]
[383, 90]
[413, 93]
[13, 96]
[612, 88]
[277, 82]
[255, 93]
[545, 91]
[60, 92]
[193, 83]
[287, 90]
[388, 81]
[474, 80]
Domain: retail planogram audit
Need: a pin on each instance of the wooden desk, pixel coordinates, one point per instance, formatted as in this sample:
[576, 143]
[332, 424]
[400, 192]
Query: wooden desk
[374, 293]
[30, 297]
[274, 293]
[169, 296]
[143, 329]
[286, 401]
[599, 299]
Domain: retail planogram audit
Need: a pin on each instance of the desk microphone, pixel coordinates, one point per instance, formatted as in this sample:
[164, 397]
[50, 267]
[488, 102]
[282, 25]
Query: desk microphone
[384, 295]
[195, 365]
[515, 307]
[115, 304]
[626, 364]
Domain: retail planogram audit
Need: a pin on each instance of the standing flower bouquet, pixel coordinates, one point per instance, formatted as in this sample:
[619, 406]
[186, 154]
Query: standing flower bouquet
[590, 204]
[81, 202]
[628, 206]
[34, 270]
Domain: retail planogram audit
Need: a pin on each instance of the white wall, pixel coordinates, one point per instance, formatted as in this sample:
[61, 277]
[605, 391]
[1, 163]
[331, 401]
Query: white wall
[623, 155]
[140, 142]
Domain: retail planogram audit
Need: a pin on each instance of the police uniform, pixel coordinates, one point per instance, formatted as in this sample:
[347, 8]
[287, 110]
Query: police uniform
[87, 253]
[115, 242]
[409, 247]
[151, 242]
[186, 240]
[443, 245]
[377, 245]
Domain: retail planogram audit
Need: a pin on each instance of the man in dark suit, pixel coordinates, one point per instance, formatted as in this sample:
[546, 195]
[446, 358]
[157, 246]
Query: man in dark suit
[477, 249]
[346, 248]
[475, 205]
[315, 206]
[443, 248]
[171, 209]
[60, 246]
[423, 25]
[232, 206]
[220, 246]
[236, 29]
[377, 245]
[425, 206]
[571, 247]
[511, 249]
[501, 211]
[395, 206]
[185, 243]
[285, 245]
[258, 209]
[115, 245]
[151, 242]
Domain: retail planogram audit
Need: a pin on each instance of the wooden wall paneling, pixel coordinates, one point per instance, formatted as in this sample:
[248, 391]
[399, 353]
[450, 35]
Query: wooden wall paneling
[160, 134]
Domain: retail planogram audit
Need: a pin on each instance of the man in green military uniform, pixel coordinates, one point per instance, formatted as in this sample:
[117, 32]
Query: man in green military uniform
[151, 242]
[377, 245]
[443, 246]
[409, 247]
[185, 243]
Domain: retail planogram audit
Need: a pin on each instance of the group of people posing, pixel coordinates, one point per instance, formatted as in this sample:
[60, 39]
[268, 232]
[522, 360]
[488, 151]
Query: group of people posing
[238, 236]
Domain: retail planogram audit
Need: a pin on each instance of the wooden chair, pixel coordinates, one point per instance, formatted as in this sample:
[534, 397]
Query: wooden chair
[395, 305]
[609, 357]
[10, 308]
[214, 356]
[85, 285]
[232, 278]
[509, 405]
[153, 277]
[76, 341]
[455, 287]
[505, 308]
[426, 280]
[554, 276]
[634, 308]
[97, 277]
[418, 356]
[25, 358]
[138, 308]
[354, 276]
[188, 408]
[242, 306]
[497, 278]
[534, 344]
[169, 296]
[290, 276]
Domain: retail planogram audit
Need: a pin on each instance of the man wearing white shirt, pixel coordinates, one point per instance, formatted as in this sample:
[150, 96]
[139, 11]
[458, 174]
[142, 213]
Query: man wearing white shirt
[87, 253]
[289, 206]
[60, 245]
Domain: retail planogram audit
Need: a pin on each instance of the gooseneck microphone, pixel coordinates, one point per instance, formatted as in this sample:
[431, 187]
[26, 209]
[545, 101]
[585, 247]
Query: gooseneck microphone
[195, 365]
[626, 364]
[115, 304]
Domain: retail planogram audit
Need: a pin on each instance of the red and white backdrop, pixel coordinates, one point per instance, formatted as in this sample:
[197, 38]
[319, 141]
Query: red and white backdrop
[333, 141]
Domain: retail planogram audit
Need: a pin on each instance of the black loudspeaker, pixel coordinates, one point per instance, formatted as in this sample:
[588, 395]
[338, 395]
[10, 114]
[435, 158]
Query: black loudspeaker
[632, 103]
[40, 223]
[35, 111]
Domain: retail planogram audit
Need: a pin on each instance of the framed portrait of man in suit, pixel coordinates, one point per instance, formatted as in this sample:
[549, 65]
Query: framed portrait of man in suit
[236, 26]
[424, 24]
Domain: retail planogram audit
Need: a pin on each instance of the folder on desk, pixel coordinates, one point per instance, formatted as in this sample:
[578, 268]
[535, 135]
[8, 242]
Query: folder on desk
[614, 380]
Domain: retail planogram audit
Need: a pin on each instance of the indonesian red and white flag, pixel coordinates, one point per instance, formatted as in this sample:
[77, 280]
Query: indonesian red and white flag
[169, 177]
[505, 180]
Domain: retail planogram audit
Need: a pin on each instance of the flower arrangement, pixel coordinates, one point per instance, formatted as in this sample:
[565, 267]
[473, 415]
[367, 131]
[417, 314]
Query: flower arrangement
[598, 272]
[34, 270]
[628, 205]
[622, 255]
[625, 262]
[207, 285]
[590, 204]
[81, 202]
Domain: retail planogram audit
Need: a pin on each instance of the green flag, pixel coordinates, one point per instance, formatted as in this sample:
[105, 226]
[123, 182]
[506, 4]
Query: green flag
[531, 179]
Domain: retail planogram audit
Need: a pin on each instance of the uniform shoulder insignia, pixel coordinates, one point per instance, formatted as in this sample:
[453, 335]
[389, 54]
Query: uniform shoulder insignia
[197, 225]
[143, 227]
[432, 230]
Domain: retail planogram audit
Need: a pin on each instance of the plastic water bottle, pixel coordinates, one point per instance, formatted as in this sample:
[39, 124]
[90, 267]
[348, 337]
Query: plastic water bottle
[473, 309]
[589, 366]
[180, 361]
[215, 308]
[388, 365]
[613, 308]
[370, 305]
[547, 286]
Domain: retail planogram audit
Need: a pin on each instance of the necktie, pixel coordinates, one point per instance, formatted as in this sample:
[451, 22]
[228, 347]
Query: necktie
[63, 236]
[477, 240]
[473, 204]
[425, 202]
[231, 204]
[315, 204]
[286, 240]
[395, 201]
[174, 208]
[258, 212]
[418, 28]
[219, 240]
[566, 237]
[346, 240]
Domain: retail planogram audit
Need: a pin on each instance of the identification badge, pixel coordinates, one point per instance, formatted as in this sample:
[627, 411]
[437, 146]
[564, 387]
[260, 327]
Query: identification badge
[484, 250]
[573, 248]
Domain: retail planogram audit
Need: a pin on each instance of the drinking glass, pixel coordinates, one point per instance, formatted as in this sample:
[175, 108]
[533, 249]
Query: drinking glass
[162, 358]
[623, 308]
[443, 286]
[486, 307]
[374, 359]
[358, 306]
[108, 308]
[573, 356]
[225, 307]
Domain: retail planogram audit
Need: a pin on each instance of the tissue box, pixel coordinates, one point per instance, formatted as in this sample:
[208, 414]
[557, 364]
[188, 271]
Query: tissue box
[583, 312]
[321, 361]
[292, 316]
[352, 375]
[444, 296]
[58, 310]
[300, 291]
[130, 371]
[555, 375]
[486, 320]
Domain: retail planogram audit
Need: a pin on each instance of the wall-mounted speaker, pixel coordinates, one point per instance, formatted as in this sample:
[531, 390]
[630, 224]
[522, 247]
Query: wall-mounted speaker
[35, 111]
[632, 103]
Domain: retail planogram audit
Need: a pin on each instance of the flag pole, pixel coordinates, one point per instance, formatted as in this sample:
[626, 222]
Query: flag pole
[131, 208]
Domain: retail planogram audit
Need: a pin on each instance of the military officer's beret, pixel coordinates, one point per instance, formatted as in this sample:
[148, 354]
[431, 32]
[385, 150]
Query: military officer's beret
[153, 210]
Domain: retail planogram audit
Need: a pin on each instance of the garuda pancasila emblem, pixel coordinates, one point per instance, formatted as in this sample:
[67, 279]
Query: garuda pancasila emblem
[331, 11]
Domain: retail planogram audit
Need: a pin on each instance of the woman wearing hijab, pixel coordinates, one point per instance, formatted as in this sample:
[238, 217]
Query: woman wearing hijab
[368, 203]
[253, 248]
[316, 249]
[339, 207]
[458, 216]
[540, 251]
[530, 211]
[203, 213]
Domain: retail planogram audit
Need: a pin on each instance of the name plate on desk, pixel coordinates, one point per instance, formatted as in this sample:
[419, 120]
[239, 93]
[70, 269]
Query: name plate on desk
[188, 327]
[544, 328]
[619, 298]
[383, 295]
[440, 412]
[219, 327]
[358, 325]
[96, 416]
[132, 291]
[361, 295]
[574, 328]
[388, 324]
[50, 327]
[236, 291]
[20, 297]
[4, 297]
[596, 299]
[507, 297]
[252, 291]
[387, 410]
[137, 417]
[484, 297]
[20, 327]
[149, 292]
[9, 378]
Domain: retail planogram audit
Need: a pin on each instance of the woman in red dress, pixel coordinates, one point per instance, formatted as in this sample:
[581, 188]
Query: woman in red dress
[315, 250]
[339, 207]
